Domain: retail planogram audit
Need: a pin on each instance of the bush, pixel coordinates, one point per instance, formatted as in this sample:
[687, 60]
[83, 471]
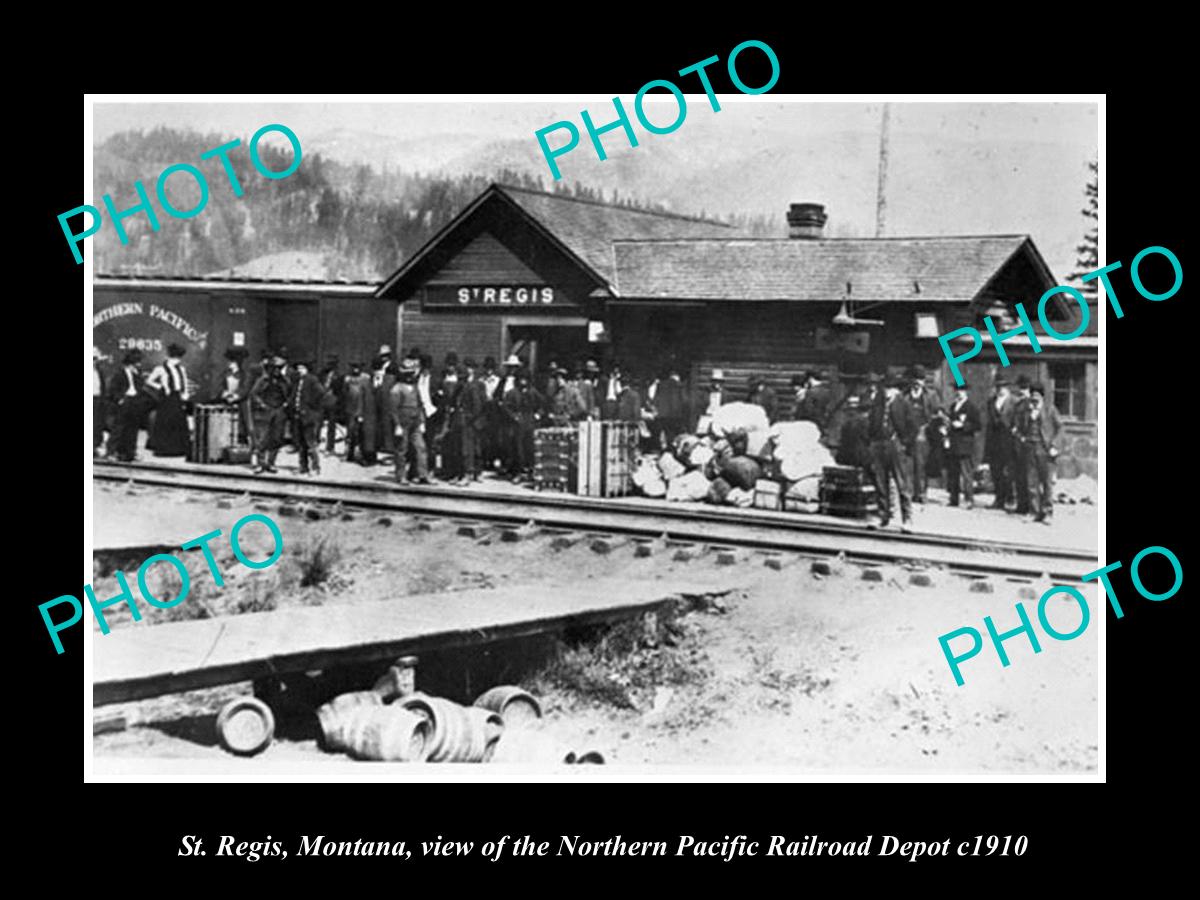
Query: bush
[317, 559]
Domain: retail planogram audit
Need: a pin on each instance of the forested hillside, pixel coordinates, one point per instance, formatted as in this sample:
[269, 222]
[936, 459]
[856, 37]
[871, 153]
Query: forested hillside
[365, 222]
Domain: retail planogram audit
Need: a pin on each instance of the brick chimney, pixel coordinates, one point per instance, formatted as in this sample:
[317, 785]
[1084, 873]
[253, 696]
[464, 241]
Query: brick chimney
[806, 221]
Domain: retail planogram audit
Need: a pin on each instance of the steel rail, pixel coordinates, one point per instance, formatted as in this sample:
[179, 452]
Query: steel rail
[755, 529]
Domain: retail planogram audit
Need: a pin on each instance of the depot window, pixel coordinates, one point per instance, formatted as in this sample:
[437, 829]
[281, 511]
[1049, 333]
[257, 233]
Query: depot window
[1070, 389]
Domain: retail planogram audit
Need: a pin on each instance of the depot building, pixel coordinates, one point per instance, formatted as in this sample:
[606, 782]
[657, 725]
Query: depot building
[553, 278]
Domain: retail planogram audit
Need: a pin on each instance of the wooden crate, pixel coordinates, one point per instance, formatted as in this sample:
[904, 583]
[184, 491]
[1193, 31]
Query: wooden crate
[768, 494]
[607, 451]
[555, 459]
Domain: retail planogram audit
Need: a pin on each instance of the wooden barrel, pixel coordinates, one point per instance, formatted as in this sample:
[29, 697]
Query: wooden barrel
[245, 726]
[460, 733]
[516, 705]
[335, 714]
[389, 733]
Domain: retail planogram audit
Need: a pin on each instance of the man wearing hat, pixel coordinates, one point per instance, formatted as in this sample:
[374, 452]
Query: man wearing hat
[591, 374]
[472, 415]
[492, 437]
[891, 430]
[578, 395]
[670, 405]
[356, 405]
[1020, 485]
[268, 404]
[762, 394]
[382, 378]
[131, 405]
[1037, 430]
[925, 408]
[812, 399]
[709, 400]
[557, 395]
[962, 424]
[409, 416]
[998, 446]
[334, 383]
[306, 407]
[524, 405]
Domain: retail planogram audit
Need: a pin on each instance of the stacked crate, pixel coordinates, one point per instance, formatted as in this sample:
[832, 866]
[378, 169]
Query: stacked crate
[555, 455]
[607, 451]
[846, 491]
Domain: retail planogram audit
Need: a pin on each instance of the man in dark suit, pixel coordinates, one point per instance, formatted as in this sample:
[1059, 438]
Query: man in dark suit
[383, 376]
[924, 406]
[962, 425]
[355, 393]
[131, 407]
[1020, 484]
[268, 404]
[812, 399]
[1001, 459]
[472, 414]
[671, 405]
[891, 430]
[1037, 430]
[306, 407]
[333, 382]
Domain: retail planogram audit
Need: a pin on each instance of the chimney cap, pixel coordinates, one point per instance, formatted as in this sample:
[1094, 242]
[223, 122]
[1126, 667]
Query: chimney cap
[806, 220]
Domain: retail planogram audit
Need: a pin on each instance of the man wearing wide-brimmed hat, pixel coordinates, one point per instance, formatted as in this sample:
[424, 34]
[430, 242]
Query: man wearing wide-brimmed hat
[268, 403]
[408, 412]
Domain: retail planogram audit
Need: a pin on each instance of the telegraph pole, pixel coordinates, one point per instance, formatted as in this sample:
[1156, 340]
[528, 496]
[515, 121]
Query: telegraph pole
[881, 190]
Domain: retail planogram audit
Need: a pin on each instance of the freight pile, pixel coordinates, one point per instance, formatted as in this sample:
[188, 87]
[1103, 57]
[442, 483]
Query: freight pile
[503, 726]
[740, 460]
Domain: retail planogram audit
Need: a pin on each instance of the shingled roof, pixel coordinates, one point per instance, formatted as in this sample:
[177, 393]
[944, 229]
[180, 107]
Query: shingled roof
[588, 228]
[863, 269]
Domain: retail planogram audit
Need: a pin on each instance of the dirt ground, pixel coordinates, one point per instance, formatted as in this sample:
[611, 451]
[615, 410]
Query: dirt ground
[773, 668]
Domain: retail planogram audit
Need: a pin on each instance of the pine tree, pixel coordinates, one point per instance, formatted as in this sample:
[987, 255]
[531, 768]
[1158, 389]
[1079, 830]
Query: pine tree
[1087, 257]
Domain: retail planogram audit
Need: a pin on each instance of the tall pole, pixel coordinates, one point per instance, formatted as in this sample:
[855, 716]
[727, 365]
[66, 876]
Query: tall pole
[881, 190]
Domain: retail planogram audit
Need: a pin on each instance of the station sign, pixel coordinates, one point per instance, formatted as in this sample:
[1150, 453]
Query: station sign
[500, 297]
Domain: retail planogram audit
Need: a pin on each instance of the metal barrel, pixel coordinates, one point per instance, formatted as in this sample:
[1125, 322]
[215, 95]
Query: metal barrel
[334, 715]
[516, 705]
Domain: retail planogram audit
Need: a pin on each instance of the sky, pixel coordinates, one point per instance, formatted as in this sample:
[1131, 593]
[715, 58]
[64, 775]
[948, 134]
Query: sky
[954, 168]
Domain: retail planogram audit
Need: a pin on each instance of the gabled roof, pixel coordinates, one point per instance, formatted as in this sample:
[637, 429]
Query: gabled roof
[925, 269]
[589, 227]
[583, 229]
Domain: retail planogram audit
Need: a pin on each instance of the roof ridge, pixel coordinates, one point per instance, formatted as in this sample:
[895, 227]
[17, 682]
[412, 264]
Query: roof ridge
[609, 205]
[819, 241]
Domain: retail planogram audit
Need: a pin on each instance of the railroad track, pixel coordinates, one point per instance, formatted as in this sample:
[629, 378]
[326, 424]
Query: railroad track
[705, 525]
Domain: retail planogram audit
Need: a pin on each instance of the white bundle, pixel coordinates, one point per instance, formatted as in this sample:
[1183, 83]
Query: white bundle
[740, 497]
[700, 456]
[689, 486]
[670, 467]
[648, 479]
[798, 447]
[747, 417]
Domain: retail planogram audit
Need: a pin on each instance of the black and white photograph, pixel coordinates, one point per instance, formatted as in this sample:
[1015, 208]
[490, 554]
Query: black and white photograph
[698, 459]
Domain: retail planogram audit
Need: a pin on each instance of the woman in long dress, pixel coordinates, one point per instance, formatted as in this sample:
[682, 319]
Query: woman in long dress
[169, 437]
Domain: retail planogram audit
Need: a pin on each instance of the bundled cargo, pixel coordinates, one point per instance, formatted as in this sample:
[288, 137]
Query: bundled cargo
[740, 497]
[648, 478]
[797, 450]
[718, 490]
[741, 472]
[670, 467]
[743, 417]
[689, 486]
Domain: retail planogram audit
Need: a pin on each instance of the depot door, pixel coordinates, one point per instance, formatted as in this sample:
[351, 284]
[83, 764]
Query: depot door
[541, 345]
[294, 325]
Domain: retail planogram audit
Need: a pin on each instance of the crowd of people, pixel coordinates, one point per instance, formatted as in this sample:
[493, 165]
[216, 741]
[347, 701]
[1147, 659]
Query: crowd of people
[458, 420]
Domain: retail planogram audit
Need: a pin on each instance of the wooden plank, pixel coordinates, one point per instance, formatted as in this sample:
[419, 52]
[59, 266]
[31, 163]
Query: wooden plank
[136, 662]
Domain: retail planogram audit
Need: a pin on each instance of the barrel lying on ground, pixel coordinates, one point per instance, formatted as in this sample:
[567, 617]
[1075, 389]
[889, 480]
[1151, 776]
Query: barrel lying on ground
[515, 705]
